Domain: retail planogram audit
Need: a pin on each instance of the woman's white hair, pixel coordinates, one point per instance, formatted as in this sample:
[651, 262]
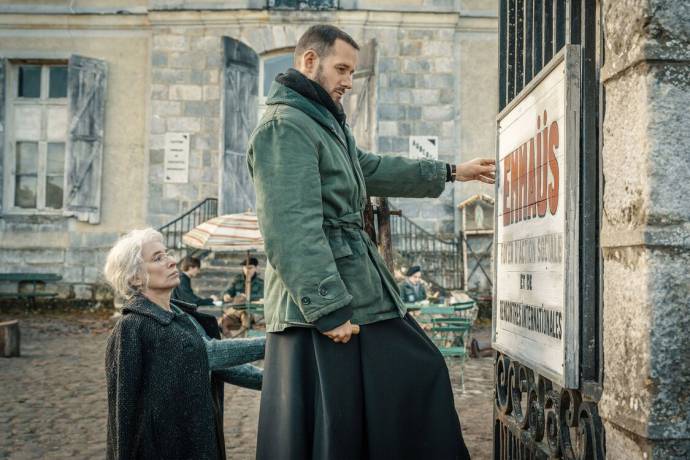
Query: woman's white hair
[125, 264]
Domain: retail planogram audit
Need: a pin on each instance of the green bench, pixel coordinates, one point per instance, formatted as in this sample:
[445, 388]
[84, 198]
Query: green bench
[449, 327]
[34, 279]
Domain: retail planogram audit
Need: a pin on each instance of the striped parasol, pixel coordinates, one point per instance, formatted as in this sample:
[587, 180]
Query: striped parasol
[231, 232]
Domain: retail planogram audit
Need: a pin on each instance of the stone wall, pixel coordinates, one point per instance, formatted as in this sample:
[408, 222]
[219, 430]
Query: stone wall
[185, 97]
[418, 90]
[48, 245]
[646, 229]
[416, 97]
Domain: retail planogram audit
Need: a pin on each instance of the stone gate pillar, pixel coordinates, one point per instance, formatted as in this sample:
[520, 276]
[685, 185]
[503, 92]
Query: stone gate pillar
[645, 235]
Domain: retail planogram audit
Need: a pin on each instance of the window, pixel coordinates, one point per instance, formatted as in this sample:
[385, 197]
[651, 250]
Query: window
[271, 65]
[36, 135]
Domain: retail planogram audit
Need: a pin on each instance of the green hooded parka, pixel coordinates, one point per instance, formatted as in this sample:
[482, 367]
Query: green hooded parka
[311, 185]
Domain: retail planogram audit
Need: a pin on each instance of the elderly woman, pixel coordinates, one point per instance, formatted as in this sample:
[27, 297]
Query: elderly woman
[165, 366]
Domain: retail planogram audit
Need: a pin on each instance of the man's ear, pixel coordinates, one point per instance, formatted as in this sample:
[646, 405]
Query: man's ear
[310, 62]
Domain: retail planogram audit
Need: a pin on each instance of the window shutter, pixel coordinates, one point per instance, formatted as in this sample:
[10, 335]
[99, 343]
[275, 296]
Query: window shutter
[240, 99]
[3, 102]
[86, 92]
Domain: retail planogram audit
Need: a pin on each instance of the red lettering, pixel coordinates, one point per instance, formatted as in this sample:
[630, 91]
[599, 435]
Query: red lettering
[542, 170]
[506, 190]
[532, 194]
[514, 190]
[522, 188]
[528, 188]
[553, 164]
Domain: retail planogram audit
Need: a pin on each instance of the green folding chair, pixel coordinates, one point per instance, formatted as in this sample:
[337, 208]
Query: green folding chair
[449, 331]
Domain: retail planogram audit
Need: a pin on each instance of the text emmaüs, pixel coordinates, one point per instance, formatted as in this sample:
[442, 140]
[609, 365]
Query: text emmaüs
[528, 189]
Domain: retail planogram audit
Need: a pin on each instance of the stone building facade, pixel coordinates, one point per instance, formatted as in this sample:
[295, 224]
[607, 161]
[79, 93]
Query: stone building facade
[419, 80]
[167, 67]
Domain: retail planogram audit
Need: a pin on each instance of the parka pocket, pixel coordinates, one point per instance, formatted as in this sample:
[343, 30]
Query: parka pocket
[339, 246]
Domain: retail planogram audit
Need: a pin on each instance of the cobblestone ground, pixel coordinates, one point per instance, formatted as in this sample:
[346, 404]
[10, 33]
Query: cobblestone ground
[53, 405]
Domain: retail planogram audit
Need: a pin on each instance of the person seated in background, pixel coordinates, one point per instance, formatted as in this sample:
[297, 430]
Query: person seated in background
[235, 321]
[190, 267]
[236, 290]
[412, 289]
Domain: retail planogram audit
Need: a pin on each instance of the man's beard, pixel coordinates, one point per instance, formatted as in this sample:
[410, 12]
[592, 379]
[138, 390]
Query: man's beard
[322, 81]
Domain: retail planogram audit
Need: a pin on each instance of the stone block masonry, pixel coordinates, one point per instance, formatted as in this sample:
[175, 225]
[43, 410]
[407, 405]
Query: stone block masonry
[185, 98]
[417, 87]
[646, 230]
[417, 84]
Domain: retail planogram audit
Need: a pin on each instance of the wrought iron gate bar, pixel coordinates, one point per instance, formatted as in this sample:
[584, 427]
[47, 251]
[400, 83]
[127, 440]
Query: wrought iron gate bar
[530, 33]
[534, 418]
[441, 259]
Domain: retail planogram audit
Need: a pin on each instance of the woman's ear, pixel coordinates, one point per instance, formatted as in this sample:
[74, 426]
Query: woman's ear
[136, 282]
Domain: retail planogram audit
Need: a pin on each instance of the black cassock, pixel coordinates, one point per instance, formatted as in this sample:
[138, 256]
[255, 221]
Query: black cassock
[384, 395]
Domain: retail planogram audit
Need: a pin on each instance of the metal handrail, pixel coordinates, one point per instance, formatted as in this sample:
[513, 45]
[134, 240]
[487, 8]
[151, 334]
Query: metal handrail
[441, 259]
[176, 228]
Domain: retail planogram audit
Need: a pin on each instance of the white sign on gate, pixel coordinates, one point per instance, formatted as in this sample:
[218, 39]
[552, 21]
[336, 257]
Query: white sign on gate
[535, 315]
[424, 147]
[176, 158]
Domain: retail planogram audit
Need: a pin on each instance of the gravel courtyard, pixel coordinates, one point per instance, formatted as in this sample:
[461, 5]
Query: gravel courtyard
[53, 405]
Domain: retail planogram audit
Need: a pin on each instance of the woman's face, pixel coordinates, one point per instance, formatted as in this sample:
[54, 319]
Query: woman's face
[160, 267]
[416, 278]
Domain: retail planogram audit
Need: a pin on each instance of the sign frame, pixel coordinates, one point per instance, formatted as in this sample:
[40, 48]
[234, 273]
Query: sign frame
[569, 377]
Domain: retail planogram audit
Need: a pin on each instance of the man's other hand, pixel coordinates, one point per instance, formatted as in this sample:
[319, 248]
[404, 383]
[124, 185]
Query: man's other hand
[481, 169]
[340, 334]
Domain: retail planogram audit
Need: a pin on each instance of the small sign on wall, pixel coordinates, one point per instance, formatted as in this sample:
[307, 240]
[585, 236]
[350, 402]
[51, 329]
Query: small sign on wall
[424, 147]
[177, 158]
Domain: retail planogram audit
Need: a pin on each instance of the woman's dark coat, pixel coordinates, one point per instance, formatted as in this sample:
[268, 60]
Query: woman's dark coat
[162, 401]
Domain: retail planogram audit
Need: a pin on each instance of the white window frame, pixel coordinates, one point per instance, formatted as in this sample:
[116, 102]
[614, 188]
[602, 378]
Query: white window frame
[262, 60]
[11, 102]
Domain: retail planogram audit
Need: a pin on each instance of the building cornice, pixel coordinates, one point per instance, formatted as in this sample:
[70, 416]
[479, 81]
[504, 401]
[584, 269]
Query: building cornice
[245, 18]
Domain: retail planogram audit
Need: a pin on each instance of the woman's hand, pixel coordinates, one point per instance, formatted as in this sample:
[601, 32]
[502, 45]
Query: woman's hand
[481, 169]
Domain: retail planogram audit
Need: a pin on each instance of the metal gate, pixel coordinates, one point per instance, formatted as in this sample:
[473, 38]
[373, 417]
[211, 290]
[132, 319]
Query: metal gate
[533, 417]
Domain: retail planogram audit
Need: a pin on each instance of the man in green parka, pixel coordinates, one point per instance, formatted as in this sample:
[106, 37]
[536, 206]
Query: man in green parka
[328, 394]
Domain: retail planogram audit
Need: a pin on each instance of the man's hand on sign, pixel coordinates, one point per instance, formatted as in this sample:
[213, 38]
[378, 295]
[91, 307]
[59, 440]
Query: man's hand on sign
[342, 333]
[481, 169]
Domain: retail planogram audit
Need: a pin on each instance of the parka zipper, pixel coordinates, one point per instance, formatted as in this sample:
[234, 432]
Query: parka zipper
[354, 171]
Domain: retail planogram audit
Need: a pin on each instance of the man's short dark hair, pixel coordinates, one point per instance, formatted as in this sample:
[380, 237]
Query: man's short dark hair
[321, 38]
[252, 261]
[190, 262]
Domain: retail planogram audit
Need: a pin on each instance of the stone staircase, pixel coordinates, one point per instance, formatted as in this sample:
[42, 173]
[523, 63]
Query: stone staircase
[218, 268]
